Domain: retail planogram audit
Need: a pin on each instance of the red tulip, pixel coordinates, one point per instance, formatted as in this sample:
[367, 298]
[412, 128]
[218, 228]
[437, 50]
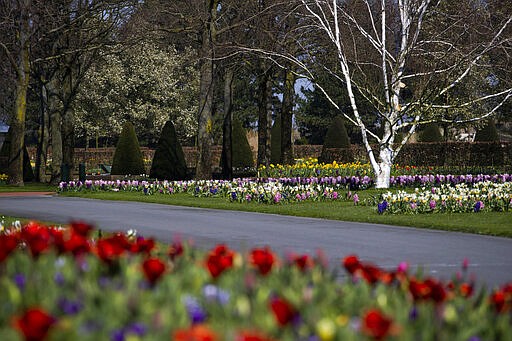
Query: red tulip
[77, 244]
[175, 250]
[108, 249]
[81, 228]
[283, 311]
[351, 264]
[37, 238]
[376, 325]
[197, 332]
[219, 259]
[8, 243]
[251, 336]
[35, 324]
[143, 245]
[263, 259]
[303, 262]
[428, 289]
[153, 269]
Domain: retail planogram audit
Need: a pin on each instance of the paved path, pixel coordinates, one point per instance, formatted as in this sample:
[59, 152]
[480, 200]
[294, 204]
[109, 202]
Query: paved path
[439, 253]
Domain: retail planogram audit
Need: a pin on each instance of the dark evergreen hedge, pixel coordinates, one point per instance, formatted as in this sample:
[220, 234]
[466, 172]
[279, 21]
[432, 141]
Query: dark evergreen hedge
[128, 157]
[431, 133]
[336, 137]
[487, 133]
[169, 160]
[275, 142]
[242, 153]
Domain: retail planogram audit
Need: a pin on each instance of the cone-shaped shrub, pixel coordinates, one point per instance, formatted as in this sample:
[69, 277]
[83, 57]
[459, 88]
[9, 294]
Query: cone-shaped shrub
[28, 173]
[128, 157]
[487, 133]
[169, 160]
[242, 154]
[431, 133]
[275, 142]
[336, 137]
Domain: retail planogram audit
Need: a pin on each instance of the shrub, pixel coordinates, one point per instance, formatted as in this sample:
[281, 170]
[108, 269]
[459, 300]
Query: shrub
[128, 157]
[275, 142]
[431, 133]
[169, 160]
[487, 133]
[28, 173]
[336, 137]
[242, 153]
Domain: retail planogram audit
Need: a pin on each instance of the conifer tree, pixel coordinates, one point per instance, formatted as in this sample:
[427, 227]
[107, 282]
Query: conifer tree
[169, 160]
[242, 153]
[127, 156]
[336, 137]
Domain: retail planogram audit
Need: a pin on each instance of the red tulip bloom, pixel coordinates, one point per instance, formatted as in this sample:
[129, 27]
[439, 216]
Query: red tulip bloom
[197, 332]
[143, 245]
[427, 290]
[37, 238]
[283, 311]
[351, 264]
[219, 259]
[8, 243]
[81, 228]
[77, 244]
[108, 249]
[153, 269]
[302, 262]
[251, 336]
[175, 250]
[35, 324]
[376, 325]
[263, 259]
[371, 273]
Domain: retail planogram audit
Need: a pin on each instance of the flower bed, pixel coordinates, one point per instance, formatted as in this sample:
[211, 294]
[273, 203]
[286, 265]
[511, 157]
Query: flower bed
[62, 284]
[480, 196]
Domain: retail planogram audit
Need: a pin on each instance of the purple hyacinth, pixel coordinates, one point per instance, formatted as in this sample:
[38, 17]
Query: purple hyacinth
[382, 206]
[194, 309]
[20, 281]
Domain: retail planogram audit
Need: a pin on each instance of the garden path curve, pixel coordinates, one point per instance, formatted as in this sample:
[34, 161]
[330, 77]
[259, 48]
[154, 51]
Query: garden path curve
[440, 253]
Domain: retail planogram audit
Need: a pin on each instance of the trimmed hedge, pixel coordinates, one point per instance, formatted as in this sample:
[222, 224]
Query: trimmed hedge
[169, 160]
[336, 137]
[242, 154]
[431, 133]
[128, 157]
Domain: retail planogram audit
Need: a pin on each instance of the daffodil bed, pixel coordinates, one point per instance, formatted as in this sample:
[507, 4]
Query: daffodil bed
[76, 284]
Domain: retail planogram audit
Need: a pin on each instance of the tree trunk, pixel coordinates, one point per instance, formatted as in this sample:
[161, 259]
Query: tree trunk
[56, 131]
[227, 141]
[68, 139]
[264, 116]
[286, 118]
[15, 162]
[205, 113]
[383, 172]
[42, 145]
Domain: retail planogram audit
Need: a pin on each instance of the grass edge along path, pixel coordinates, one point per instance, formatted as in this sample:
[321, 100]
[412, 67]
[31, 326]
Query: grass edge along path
[486, 223]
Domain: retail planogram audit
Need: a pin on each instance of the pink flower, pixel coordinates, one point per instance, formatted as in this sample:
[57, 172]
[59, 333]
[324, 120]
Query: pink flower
[356, 199]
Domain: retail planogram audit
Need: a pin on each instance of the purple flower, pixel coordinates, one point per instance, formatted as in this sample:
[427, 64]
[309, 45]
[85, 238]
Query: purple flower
[20, 281]
[59, 278]
[413, 314]
[432, 204]
[69, 307]
[382, 206]
[117, 335]
[356, 199]
[194, 309]
[478, 206]
[137, 328]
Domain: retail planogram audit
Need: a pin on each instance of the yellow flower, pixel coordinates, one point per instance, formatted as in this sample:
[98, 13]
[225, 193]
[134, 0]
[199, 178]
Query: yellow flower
[326, 329]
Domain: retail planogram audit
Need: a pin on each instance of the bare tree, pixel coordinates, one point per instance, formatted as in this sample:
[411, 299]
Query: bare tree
[405, 61]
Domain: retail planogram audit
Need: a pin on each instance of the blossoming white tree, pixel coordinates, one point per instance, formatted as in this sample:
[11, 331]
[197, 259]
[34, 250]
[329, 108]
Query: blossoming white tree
[144, 84]
[414, 61]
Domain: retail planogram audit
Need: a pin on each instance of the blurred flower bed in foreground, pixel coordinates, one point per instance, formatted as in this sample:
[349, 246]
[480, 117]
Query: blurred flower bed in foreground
[76, 283]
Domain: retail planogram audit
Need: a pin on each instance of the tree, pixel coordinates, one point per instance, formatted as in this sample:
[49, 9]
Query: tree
[431, 133]
[169, 160]
[127, 156]
[145, 84]
[275, 142]
[409, 60]
[487, 133]
[19, 58]
[242, 154]
[336, 137]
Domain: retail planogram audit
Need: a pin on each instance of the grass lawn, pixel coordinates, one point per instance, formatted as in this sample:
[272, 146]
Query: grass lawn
[489, 223]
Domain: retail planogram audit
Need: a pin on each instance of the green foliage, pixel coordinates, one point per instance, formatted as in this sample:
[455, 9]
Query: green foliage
[28, 173]
[275, 142]
[242, 153]
[128, 157]
[487, 133]
[431, 133]
[169, 160]
[336, 137]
